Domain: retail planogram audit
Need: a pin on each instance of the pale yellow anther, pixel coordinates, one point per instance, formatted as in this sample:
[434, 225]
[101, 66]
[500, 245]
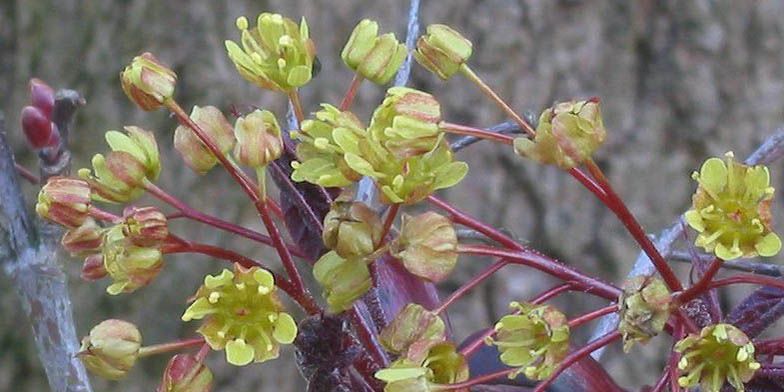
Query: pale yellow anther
[242, 23]
[240, 286]
[214, 296]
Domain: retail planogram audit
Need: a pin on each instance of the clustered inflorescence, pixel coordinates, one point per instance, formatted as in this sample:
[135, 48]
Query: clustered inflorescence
[405, 151]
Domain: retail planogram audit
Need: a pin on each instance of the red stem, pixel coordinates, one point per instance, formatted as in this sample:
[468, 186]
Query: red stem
[699, 287]
[27, 174]
[547, 265]
[283, 250]
[366, 337]
[589, 184]
[470, 285]
[192, 213]
[297, 105]
[577, 355]
[659, 387]
[100, 214]
[580, 320]
[202, 354]
[478, 132]
[551, 293]
[390, 219]
[475, 381]
[470, 348]
[746, 278]
[618, 207]
[348, 99]
[464, 219]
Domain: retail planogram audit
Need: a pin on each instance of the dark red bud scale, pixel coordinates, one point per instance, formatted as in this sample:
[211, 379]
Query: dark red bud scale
[40, 132]
[42, 97]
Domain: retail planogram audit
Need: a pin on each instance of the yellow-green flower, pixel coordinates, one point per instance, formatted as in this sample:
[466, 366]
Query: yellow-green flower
[111, 349]
[427, 245]
[343, 280]
[259, 139]
[351, 228]
[535, 340]
[129, 265]
[276, 54]
[720, 353]
[442, 50]
[436, 365]
[731, 210]
[323, 142]
[147, 82]
[644, 309]
[64, 201]
[406, 122]
[243, 315]
[214, 124]
[375, 58]
[413, 326]
[566, 136]
[118, 177]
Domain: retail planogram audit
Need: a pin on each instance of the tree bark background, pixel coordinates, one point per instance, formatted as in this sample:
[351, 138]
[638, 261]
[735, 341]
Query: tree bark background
[679, 81]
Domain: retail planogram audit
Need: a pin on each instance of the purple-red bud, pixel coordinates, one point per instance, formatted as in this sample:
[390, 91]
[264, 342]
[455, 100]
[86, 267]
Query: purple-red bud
[42, 97]
[40, 132]
[93, 268]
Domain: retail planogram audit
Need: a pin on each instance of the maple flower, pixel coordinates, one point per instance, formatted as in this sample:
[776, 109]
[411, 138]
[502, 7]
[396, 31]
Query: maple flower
[343, 280]
[535, 340]
[129, 265]
[731, 210]
[427, 245]
[442, 50]
[375, 58]
[276, 54]
[185, 373]
[644, 309]
[243, 315]
[64, 201]
[351, 228]
[414, 325]
[720, 353]
[111, 349]
[406, 122]
[193, 151]
[259, 139]
[147, 82]
[435, 365]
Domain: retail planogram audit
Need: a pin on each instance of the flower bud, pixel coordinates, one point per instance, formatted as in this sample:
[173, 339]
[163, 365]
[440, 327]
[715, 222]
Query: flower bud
[141, 145]
[145, 226]
[42, 97]
[535, 340]
[84, 239]
[64, 201]
[147, 82]
[38, 128]
[196, 155]
[258, 139]
[343, 280]
[566, 136]
[720, 353]
[111, 349]
[442, 50]
[375, 58]
[117, 177]
[129, 265]
[437, 364]
[185, 373]
[323, 142]
[406, 122]
[93, 268]
[427, 245]
[644, 309]
[276, 54]
[731, 210]
[412, 326]
[352, 229]
[243, 315]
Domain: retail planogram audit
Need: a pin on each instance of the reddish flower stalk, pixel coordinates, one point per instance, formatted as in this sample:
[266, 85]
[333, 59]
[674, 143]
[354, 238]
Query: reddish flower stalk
[26, 174]
[552, 293]
[618, 207]
[102, 215]
[577, 355]
[547, 265]
[194, 214]
[745, 278]
[580, 320]
[477, 380]
[478, 132]
[169, 347]
[351, 93]
[470, 285]
[297, 105]
[390, 219]
[464, 219]
[699, 287]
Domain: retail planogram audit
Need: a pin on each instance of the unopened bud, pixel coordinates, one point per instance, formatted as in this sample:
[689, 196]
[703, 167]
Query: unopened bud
[258, 139]
[85, 238]
[145, 226]
[111, 349]
[42, 97]
[427, 245]
[93, 268]
[64, 201]
[196, 155]
[442, 50]
[185, 373]
[147, 82]
[413, 325]
[343, 280]
[352, 229]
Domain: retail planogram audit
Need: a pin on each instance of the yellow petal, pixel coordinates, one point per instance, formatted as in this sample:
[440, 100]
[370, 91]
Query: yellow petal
[768, 245]
[239, 353]
[225, 277]
[713, 176]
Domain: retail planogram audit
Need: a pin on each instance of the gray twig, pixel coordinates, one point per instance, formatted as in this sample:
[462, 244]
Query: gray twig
[33, 267]
[738, 265]
[770, 150]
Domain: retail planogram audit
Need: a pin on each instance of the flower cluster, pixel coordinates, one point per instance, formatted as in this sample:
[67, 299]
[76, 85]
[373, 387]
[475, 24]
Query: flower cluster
[731, 210]
[644, 309]
[375, 58]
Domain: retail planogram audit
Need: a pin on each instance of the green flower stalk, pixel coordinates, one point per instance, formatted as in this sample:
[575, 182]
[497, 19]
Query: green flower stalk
[644, 309]
[375, 58]
[566, 136]
[111, 349]
[427, 246]
[130, 266]
[259, 139]
[343, 280]
[720, 353]
[411, 328]
[147, 82]
[119, 177]
[434, 366]
[731, 210]
[535, 340]
[442, 50]
[351, 228]
[276, 54]
[323, 142]
[193, 151]
[243, 315]
[64, 201]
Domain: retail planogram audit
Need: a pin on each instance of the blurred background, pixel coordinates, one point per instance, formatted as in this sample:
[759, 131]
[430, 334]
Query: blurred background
[679, 81]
